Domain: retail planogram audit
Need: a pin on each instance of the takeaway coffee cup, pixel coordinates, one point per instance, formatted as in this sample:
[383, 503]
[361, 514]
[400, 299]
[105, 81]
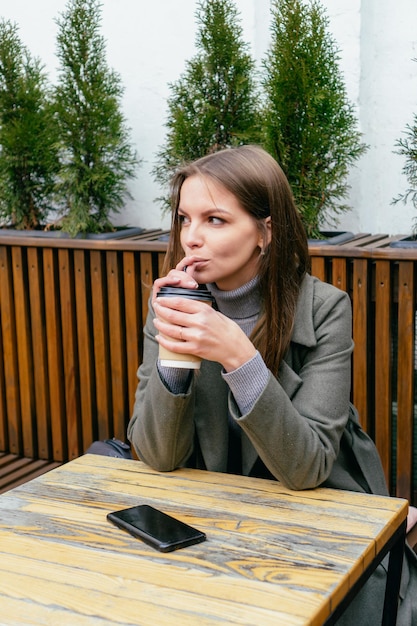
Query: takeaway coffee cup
[173, 359]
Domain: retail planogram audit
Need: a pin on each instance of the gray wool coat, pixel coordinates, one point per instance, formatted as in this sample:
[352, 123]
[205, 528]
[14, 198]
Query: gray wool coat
[302, 415]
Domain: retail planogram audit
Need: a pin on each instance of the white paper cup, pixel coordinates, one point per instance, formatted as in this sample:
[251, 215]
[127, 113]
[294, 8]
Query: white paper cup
[173, 359]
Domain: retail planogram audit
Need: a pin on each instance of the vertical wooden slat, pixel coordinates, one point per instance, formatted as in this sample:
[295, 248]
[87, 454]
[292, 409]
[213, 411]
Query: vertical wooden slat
[146, 277]
[85, 350]
[360, 312]
[11, 373]
[102, 367]
[383, 365]
[134, 335]
[70, 355]
[117, 346]
[54, 352]
[39, 350]
[339, 273]
[161, 259]
[405, 380]
[24, 352]
[318, 267]
[3, 412]
[55, 359]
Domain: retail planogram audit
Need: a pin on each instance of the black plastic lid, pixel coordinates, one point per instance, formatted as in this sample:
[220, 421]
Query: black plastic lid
[194, 294]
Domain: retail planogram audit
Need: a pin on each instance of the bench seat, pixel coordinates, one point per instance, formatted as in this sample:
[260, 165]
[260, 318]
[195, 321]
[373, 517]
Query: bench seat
[16, 470]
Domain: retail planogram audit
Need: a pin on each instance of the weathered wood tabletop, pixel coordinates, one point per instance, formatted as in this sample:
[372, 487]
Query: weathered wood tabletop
[272, 556]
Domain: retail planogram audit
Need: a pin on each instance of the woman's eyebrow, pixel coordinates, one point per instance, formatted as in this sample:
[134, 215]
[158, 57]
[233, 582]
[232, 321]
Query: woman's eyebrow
[213, 209]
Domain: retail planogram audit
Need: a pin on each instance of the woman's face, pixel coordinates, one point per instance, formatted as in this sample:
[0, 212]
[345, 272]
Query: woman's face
[223, 237]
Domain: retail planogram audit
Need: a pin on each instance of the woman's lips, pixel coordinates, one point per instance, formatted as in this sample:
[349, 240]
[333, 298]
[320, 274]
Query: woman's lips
[201, 264]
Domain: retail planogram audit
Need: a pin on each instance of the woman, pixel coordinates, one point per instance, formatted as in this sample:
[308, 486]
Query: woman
[272, 397]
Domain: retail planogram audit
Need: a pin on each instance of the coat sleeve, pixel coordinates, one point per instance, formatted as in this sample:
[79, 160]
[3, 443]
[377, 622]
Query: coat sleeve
[297, 422]
[161, 428]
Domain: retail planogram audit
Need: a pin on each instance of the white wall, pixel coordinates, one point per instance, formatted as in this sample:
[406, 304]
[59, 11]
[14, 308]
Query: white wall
[378, 41]
[148, 42]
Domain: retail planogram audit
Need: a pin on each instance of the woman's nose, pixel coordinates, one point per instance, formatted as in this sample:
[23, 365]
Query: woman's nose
[192, 236]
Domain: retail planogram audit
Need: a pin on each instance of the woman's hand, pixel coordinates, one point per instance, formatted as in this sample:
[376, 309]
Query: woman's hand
[191, 327]
[177, 277]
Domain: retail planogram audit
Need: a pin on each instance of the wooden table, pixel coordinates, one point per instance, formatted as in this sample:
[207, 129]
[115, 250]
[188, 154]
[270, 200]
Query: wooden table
[272, 556]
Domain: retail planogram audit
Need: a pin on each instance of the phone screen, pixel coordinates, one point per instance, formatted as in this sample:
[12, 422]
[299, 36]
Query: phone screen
[161, 531]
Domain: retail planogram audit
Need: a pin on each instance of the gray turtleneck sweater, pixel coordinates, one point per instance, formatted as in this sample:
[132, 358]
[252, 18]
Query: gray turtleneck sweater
[246, 383]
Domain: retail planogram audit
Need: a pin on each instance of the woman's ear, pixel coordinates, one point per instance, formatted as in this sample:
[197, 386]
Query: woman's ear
[265, 234]
[268, 230]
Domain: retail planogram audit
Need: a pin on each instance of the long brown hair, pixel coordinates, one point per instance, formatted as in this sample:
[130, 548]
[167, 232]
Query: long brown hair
[262, 189]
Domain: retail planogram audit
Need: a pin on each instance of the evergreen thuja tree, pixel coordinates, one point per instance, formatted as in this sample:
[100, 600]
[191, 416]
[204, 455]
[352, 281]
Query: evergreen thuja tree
[28, 135]
[309, 124]
[97, 158]
[213, 104]
[407, 147]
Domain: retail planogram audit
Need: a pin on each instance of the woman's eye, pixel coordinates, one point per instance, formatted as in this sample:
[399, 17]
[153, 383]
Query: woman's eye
[216, 220]
[183, 219]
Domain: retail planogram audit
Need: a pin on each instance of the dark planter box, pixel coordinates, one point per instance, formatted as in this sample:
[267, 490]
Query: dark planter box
[119, 233]
[405, 242]
[332, 238]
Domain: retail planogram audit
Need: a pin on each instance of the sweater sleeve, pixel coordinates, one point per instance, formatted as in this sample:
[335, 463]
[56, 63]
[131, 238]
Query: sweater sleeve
[247, 382]
[176, 379]
[161, 428]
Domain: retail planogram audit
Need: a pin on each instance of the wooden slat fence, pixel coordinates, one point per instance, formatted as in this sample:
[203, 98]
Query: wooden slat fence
[71, 319]
[382, 285]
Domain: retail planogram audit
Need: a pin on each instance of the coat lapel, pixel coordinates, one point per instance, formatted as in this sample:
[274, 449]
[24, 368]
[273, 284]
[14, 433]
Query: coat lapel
[213, 396]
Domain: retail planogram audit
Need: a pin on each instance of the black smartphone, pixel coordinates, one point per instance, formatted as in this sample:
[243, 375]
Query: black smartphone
[159, 530]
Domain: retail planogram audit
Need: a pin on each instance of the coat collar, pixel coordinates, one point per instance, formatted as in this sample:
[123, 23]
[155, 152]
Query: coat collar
[303, 332]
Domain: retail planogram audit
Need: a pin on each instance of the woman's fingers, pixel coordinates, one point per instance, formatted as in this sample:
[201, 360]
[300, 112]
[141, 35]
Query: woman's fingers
[180, 276]
[175, 278]
[181, 311]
